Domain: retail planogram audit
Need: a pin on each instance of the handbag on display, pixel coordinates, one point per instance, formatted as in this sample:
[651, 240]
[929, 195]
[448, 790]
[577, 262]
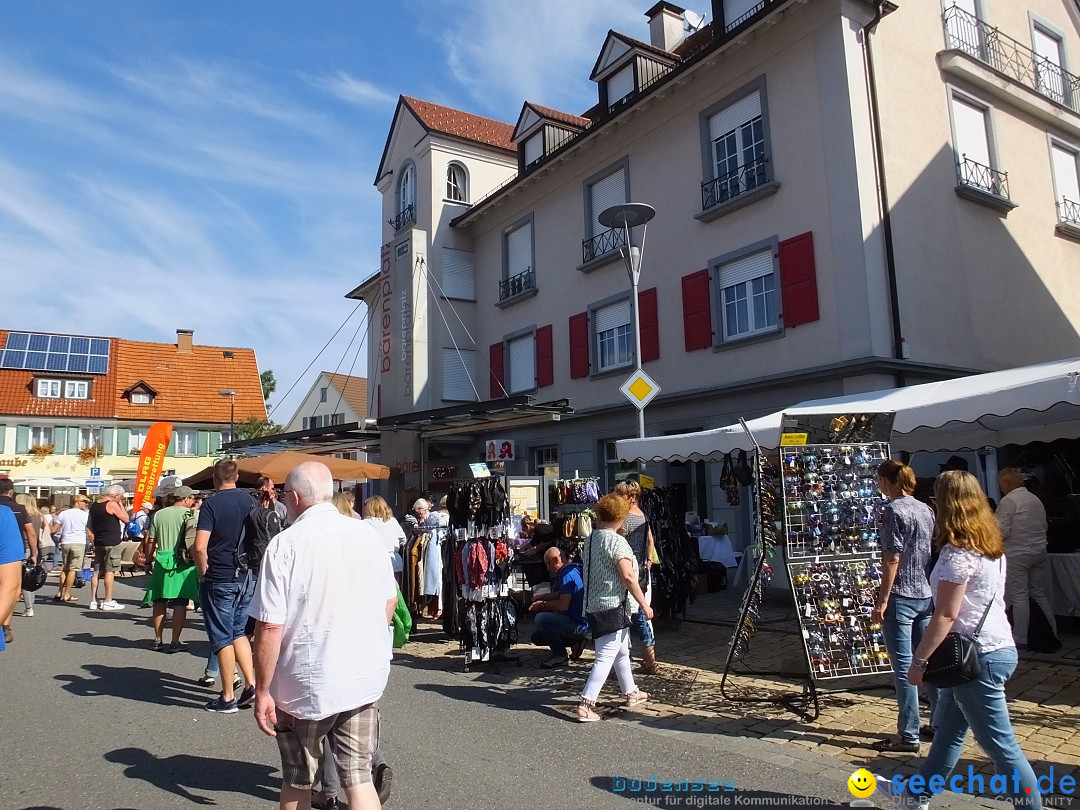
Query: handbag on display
[956, 659]
[742, 471]
[605, 622]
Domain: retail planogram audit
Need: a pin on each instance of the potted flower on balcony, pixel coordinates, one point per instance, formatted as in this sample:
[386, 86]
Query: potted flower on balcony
[89, 454]
[42, 450]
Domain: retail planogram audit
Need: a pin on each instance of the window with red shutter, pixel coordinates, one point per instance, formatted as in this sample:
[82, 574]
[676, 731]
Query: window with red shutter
[545, 357]
[495, 361]
[649, 321]
[697, 312]
[579, 345]
[798, 280]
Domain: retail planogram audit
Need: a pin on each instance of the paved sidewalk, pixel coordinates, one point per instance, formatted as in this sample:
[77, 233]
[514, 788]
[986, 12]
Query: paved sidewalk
[1043, 694]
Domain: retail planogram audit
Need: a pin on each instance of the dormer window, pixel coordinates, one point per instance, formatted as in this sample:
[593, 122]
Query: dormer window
[542, 130]
[62, 389]
[140, 394]
[534, 148]
[620, 86]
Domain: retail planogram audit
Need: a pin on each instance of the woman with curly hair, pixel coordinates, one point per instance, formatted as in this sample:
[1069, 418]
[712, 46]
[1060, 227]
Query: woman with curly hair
[969, 582]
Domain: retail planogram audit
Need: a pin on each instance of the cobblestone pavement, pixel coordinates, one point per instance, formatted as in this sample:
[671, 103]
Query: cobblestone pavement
[686, 694]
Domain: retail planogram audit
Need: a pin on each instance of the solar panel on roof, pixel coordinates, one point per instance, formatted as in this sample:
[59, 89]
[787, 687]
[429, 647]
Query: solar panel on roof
[41, 352]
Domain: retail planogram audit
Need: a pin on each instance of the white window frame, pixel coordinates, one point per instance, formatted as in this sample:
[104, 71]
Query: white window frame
[741, 123]
[614, 343]
[959, 99]
[136, 438]
[140, 398]
[510, 270]
[407, 189]
[322, 393]
[40, 435]
[1050, 77]
[617, 84]
[457, 183]
[521, 363]
[533, 149]
[187, 441]
[1066, 189]
[76, 389]
[617, 175]
[49, 389]
[89, 437]
[750, 276]
[458, 274]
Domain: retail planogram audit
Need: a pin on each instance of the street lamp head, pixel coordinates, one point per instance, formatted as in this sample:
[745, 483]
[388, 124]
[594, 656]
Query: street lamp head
[627, 215]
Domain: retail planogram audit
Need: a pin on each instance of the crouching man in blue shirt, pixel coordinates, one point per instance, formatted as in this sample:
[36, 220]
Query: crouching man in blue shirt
[560, 614]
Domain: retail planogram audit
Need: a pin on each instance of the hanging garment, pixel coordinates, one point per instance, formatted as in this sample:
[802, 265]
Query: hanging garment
[438, 526]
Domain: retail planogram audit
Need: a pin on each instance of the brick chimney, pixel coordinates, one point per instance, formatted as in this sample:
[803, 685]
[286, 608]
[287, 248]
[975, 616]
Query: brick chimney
[184, 340]
[665, 25]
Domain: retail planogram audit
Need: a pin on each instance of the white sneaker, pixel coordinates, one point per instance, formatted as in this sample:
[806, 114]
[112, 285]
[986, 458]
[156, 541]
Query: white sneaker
[112, 604]
[93, 604]
[884, 797]
[29, 613]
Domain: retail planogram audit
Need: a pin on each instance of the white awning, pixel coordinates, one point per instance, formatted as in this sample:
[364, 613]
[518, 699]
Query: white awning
[1015, 406]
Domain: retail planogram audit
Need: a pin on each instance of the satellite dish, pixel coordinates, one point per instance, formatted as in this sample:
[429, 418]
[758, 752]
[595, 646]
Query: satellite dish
[693, 21]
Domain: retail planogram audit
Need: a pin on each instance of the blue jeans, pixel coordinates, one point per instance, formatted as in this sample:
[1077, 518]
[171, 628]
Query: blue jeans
[225, 609]
[556, 630]
[905, 622]
[980, 706]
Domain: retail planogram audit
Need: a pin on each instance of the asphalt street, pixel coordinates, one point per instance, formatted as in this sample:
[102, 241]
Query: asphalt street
[94, 719]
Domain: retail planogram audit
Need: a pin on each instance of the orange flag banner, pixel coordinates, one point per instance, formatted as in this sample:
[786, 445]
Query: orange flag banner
[151, 462]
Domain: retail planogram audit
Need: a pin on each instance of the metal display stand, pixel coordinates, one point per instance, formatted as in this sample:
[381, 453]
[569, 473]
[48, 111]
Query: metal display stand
[767, 503]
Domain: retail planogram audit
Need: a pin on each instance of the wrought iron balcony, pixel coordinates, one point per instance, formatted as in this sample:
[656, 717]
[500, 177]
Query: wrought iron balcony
[404, 219]
[984, 178]
[966, 33]
[602, 244]
[1068, 211]
[734, 183]
[516, 285]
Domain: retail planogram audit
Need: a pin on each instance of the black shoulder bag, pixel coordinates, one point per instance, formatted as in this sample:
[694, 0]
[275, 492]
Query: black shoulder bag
[604, 622]
[956, 659]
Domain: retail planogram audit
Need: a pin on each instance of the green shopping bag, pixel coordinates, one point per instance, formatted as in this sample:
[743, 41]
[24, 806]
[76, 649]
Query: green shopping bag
[402, 622]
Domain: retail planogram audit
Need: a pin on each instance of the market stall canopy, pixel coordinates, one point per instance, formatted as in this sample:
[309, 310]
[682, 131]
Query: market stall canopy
[278, 465]
[1015, 406]
[50, 483]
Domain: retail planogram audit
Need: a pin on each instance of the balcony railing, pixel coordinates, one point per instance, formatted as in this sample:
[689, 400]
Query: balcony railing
[405, 218]
[734, 183]
[1004, 54]
[985, 178]
[516, 285]
[601, 244]
[1068, 211]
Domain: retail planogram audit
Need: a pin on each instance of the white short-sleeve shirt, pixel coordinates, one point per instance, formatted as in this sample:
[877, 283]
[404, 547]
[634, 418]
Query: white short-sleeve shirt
[326, 579]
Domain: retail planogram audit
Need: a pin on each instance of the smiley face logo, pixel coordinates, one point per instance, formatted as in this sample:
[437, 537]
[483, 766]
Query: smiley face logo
[862, 783]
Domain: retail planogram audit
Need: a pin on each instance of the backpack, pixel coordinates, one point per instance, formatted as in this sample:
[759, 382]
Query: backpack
[260, 527]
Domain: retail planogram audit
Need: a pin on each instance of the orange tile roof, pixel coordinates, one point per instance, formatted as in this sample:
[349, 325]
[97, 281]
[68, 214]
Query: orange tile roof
[17, 395]
[559, 115]
[465, 125]
[353, 390]
[187, 383]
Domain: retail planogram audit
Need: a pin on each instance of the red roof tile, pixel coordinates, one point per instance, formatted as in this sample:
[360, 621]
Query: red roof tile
[460, 124]
[558, 115]
[187, 385]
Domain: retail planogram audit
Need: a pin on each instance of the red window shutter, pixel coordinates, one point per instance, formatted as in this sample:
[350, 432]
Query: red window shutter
[579, 345]
[495, 361]
[697, 311]
[798, 280]
[545, 357]
[649, 321]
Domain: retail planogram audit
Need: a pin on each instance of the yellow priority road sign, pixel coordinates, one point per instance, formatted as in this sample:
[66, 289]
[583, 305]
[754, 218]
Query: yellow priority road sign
[640, 389]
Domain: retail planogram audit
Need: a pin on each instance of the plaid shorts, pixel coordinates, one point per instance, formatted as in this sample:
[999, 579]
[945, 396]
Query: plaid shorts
[353, 737]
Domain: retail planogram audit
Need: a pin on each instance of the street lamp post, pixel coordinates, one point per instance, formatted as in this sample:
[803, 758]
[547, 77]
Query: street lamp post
[626, 216]
[231, 394]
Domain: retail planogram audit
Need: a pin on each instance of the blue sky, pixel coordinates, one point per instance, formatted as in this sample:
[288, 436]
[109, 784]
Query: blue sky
[209, 165]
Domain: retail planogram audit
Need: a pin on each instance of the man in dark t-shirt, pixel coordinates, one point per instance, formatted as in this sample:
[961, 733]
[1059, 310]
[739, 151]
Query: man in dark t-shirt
[225, 589]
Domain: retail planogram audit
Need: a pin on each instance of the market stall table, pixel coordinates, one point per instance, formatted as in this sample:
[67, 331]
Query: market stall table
[1065, 578]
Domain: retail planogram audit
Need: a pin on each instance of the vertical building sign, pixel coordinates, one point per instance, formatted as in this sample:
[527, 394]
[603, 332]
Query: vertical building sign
[386, 322]
[401, 260]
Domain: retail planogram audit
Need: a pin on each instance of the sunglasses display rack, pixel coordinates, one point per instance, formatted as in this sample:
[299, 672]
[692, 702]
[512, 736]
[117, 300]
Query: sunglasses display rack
[832, 511]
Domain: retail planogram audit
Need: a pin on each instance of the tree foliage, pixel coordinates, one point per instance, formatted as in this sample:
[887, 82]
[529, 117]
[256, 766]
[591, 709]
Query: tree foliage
[255, 428]
[269, 383]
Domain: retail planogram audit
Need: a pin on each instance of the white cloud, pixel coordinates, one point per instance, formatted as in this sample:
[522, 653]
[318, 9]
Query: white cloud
[505, 53]
[353, 90]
